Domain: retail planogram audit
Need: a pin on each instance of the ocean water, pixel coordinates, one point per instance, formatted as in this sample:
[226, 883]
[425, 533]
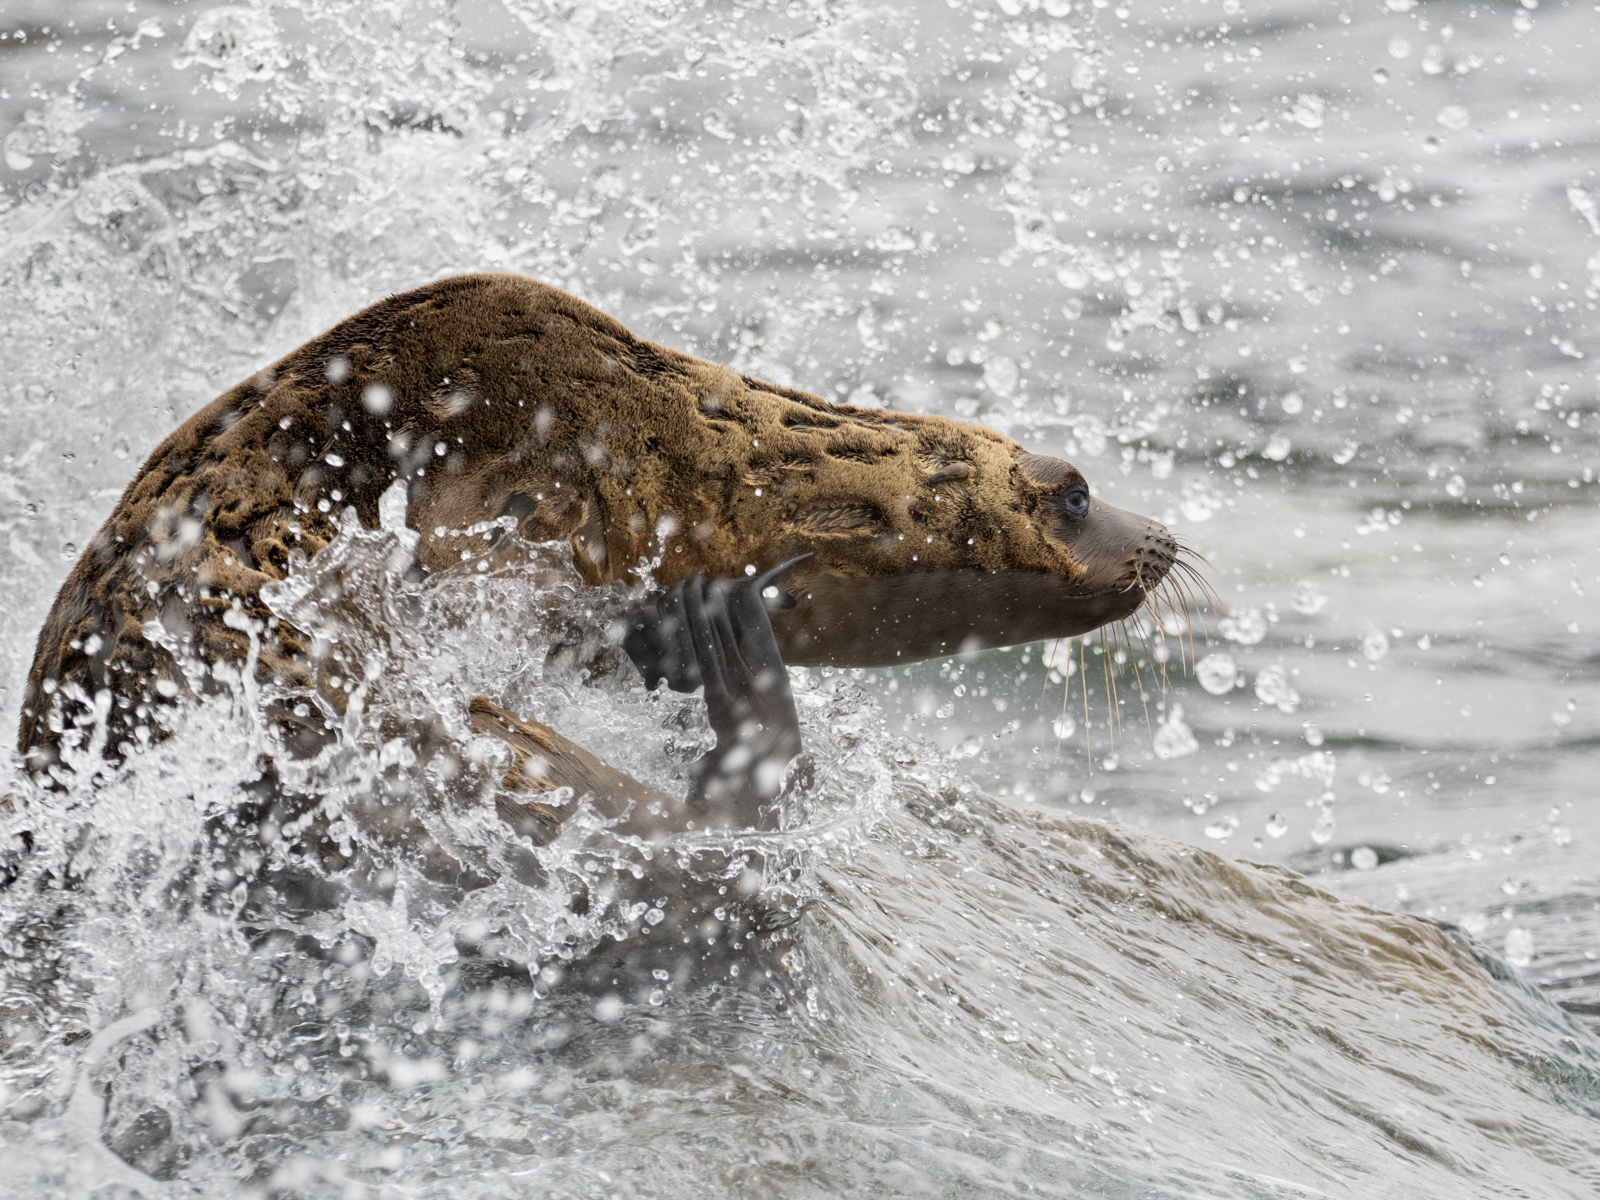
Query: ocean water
[1296, 894]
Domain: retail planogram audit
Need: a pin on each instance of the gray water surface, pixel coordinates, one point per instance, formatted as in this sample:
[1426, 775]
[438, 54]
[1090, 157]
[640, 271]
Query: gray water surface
[1313, 283]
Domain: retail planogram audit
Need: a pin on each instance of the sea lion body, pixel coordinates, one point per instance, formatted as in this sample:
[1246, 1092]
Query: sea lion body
[494, 395]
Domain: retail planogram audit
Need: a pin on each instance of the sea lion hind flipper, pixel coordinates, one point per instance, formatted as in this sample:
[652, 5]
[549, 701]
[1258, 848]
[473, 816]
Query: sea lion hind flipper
[543, 762]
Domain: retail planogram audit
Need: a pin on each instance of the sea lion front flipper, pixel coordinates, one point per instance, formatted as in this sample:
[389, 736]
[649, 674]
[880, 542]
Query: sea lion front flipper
[748, 701]
[657, 636]
[725, 627]
[657, 641]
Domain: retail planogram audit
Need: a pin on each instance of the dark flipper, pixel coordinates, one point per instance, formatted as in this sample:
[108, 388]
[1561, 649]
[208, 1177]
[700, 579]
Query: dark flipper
[718, 635]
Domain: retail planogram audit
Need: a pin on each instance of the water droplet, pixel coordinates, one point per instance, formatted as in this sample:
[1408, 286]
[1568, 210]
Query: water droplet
[1307, 111]
[377, 399]
[1519, 946]
[1322, 831]
[1000, 375]
[1216, 673]
[1273, 687]
[1308, 598]
[1247, 626]
[1174, 739]
[1201, 498]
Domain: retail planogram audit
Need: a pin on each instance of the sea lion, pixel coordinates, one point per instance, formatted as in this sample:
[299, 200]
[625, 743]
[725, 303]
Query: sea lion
[494, 396]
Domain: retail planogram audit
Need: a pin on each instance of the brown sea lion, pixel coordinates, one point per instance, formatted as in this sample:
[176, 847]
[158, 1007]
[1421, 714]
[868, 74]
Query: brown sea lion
[494, 395]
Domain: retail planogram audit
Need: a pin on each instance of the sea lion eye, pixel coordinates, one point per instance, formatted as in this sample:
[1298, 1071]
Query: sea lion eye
[1076, 503]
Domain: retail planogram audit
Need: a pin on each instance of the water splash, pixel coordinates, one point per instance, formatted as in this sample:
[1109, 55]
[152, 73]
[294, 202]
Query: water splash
[981, 996]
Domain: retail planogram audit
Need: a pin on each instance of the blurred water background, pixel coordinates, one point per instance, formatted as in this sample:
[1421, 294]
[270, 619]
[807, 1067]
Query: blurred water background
[1313, 282]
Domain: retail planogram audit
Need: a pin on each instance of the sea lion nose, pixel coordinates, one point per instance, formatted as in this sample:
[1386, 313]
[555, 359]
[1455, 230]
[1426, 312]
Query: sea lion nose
[1154, 555]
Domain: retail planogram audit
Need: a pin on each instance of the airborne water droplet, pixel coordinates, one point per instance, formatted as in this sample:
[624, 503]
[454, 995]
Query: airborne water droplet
[1245, 626]
[1375, 645]
[1519, 947]
[1216, 673]
[1308, 598]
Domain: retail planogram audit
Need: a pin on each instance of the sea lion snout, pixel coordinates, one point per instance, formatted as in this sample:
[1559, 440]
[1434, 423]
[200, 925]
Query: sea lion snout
[1119, 550]
[1115, 550]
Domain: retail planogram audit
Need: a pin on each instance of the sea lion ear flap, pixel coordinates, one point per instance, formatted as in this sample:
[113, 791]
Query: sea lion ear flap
[1051, 474]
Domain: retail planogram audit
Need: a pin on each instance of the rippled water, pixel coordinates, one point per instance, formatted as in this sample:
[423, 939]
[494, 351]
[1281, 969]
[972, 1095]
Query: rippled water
[1313, 283]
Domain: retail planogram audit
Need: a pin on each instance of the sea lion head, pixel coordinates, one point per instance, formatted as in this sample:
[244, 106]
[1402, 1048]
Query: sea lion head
[1059, 563]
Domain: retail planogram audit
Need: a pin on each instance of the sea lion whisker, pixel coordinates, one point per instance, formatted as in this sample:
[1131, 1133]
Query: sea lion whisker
[1116, 671]
[1191, 606]
[1178, 599]
[1184, 548]
[1149, 647]
[1167, 600]
[1066, 693]
[1139, 679]
[1182, 595]
[1167, 594]
[1128, 637]
[1083, 676]
[1206, 598]
[1114, 710]
[1167, 610]
[1191, 572]
[1183, 570]
[1148, 635]
[1157, 607]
